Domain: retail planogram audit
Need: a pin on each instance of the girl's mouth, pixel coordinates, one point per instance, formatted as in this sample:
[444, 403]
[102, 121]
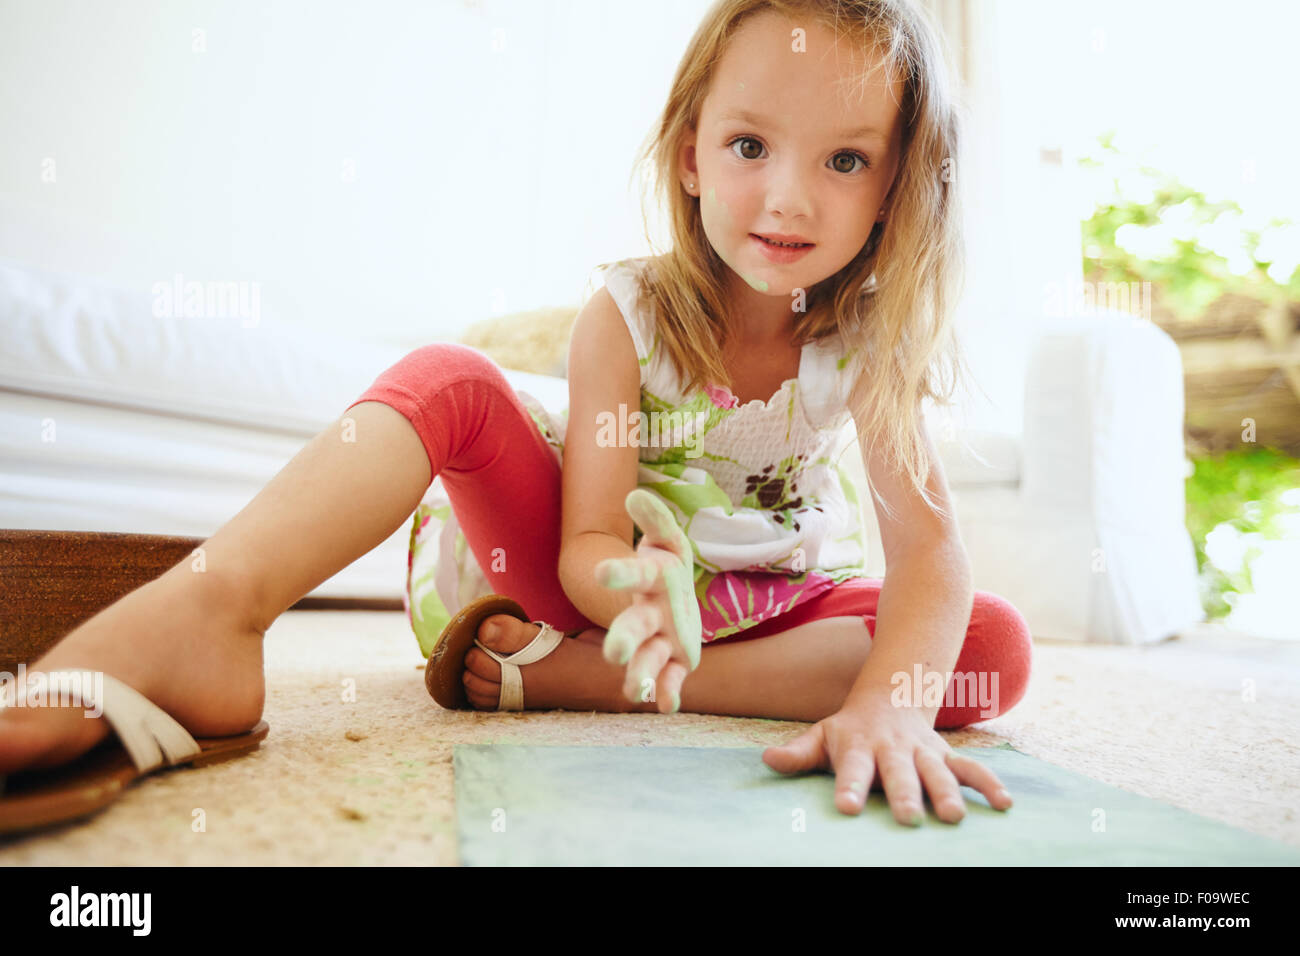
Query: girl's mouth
[778, 252]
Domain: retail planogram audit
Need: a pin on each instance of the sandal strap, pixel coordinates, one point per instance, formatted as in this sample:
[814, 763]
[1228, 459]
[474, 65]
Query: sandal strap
[512, 683]
[148, 733]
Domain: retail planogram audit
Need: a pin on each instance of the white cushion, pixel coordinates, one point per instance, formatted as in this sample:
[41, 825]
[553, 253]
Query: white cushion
[78, 338]
[976, 457]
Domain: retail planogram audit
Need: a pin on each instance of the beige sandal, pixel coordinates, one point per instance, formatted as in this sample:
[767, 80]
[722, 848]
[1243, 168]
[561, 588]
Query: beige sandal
[149, 738]
[443, 672]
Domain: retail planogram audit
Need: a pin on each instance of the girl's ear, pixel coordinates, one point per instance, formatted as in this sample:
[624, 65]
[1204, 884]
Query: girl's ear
[686, 159]
[885, 204]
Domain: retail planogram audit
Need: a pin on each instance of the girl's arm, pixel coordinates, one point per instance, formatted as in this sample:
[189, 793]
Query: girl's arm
[927, 595]
[643, 597]
[603, 373]
[921, 618]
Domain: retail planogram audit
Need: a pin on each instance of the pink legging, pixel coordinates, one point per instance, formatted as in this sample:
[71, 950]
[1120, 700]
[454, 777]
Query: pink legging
[496, 467]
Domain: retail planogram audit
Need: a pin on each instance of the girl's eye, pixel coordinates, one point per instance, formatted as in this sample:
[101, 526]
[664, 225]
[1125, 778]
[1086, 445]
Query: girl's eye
[744, 139]
[866, 163]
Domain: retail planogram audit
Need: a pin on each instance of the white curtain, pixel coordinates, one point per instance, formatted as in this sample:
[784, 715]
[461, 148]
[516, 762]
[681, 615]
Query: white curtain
[1016, 70]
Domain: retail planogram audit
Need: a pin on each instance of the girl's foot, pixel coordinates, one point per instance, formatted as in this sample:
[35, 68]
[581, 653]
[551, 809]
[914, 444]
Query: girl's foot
[574, 676]
[183, 640]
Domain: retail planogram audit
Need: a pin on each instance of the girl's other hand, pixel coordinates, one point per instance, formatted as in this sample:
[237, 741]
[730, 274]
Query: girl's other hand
[866, 736]
[660, 635]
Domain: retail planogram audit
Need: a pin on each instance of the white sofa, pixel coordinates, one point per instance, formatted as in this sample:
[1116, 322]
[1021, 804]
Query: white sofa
[112, 419]
[1080, 521]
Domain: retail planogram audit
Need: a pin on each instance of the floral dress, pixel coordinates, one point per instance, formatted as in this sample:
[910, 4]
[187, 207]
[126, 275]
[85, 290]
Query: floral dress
[758, 489]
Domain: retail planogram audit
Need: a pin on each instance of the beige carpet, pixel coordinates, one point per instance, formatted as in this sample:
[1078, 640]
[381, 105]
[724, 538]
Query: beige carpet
[370, 781]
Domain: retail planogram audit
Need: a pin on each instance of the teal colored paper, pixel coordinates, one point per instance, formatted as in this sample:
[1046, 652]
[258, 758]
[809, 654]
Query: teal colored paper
[520, 805]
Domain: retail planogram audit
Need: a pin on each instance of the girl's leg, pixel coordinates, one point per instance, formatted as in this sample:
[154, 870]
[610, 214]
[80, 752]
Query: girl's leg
[835, 632]
[806, 671]
[498, 471]
[802, 671]
[190, 640]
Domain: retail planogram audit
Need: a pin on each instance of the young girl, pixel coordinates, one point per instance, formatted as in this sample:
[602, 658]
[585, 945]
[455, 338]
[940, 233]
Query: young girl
[806, 155]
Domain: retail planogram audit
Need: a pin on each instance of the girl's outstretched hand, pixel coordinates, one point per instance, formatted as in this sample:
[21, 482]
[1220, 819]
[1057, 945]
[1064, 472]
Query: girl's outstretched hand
[660, 635]
[870, 735]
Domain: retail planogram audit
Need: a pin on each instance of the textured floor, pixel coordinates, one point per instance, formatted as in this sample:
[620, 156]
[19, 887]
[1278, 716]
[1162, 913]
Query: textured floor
[368, 781]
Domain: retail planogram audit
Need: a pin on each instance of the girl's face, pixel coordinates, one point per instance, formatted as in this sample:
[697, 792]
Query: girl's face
[787, 144]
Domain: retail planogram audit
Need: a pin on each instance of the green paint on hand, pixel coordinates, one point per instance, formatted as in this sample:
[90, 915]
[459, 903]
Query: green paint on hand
[660, 528]
[622, 573]
[686, 612]
[655, 520]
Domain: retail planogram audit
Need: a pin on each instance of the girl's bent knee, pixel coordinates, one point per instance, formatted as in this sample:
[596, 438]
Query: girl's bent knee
[444, 362]
[994, 663]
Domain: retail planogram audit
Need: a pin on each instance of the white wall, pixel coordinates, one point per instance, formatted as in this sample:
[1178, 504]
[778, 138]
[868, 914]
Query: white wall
[1191, 90]
[1022, 230]
[399, 169]
[490, 146]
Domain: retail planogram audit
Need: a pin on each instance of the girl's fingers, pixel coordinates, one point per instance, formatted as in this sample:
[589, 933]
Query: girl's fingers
[657, 523]
[670, 584]
[805, 752]
[854, 770]
[679, 591]
[941, 785]
[633, 573]
[902, 786]
[660, 532]
[641, 682]
[670, 687]
[633, 626]
[974, 774]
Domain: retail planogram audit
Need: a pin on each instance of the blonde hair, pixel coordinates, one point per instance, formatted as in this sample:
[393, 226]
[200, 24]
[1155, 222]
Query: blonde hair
[892, 303]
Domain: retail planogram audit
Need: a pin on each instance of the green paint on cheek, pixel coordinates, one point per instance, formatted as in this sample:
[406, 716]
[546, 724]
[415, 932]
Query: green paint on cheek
[715, 208]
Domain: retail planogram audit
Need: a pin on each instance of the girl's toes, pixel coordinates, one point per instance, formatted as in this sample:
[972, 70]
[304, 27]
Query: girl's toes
[505, 634]
[478, 663]
[482, 693]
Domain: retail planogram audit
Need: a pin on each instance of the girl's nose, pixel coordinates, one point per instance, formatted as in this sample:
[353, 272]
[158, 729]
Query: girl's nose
[787, 194]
